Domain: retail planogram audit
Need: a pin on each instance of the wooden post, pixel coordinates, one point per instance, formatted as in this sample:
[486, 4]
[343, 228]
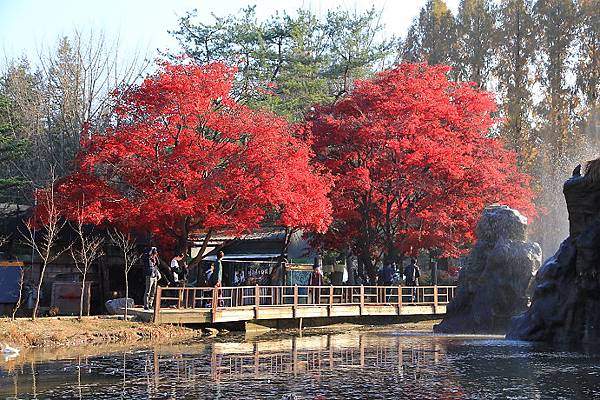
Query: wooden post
[330, 306]
[256, 301]
[157, 304]
[435, 299]
[294, 310]
[215, 300]
[362, 298]
[179, 297]
[399, 299]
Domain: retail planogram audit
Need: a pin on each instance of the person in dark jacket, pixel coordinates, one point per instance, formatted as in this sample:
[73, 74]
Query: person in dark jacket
[152, 275]
[388, 273]
[315, 279]
[412, 273]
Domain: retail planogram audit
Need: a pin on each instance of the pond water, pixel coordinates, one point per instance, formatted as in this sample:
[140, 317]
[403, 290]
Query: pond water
[371, 364]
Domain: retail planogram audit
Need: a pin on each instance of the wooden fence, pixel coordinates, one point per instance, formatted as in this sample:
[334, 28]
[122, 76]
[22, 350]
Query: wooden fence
[272, 297]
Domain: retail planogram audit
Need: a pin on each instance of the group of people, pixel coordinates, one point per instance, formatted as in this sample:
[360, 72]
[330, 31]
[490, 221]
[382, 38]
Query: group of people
[213, 277]
[388, 275]
[178, 271]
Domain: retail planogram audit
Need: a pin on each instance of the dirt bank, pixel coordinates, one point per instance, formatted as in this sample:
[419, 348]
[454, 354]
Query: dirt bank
[52, 332]
[93, 331]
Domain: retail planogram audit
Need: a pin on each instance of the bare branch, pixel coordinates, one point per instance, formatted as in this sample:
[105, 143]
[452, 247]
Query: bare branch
[126, 242]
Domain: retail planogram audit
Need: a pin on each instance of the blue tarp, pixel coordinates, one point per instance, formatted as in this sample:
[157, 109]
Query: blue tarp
[9, 284]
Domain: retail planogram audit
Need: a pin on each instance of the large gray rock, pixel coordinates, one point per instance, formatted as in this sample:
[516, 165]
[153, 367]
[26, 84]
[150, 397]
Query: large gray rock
[566, 302]
[493, 286]
[117, 306]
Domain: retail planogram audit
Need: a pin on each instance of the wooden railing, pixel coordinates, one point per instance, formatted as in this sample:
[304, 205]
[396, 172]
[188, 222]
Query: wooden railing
[302, 296]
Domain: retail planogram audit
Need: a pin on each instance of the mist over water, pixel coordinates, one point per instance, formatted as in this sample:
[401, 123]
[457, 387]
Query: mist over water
[552, 226]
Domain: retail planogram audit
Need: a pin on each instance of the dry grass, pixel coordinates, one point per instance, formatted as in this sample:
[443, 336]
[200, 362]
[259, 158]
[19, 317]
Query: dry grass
[49, 332]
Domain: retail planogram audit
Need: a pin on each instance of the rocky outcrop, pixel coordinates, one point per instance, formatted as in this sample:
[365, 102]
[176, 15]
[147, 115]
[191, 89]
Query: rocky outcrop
[566, 302]
[117, 306]
[493, 286]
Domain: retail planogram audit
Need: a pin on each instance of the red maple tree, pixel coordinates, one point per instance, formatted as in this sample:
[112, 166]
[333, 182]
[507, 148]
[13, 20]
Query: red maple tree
[414, 164]
[183, 155]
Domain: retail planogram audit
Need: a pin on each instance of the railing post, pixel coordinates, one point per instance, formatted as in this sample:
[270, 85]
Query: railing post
[157, 304]
[399, 299]
[435, 299]
[215, 300]
[256, 301]
[330, 306]
[362, 298]
[295, 308]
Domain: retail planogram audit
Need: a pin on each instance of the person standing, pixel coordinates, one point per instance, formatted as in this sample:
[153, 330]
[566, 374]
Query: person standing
[388, 274]
[315, 279]
[210, 275]
[218, 278]
[152, 275]
[388, 277]
[219, 269]
[412, 273]
[176, 269]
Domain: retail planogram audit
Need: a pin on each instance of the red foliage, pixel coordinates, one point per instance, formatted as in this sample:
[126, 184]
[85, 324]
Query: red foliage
[413, 163]
[183, 155]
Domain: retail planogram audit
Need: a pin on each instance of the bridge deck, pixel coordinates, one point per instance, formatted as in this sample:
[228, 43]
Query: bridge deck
[189, 305]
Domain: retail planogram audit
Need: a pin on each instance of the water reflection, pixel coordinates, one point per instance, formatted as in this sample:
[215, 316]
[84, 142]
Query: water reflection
[356, 365]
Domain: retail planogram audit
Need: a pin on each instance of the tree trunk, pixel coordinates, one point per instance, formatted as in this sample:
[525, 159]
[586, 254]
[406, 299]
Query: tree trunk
[126, 291]
[104, 278]
[370, 269]
[38, 292]
[288, 238]
[18, 305]
[82, 294]
[183, 245]
[196, 260]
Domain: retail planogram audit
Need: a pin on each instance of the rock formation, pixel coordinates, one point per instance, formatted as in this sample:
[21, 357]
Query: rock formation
[566, 301]
[492, 287]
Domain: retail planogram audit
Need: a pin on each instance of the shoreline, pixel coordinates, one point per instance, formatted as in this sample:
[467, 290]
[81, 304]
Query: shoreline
[53, 332]
[57, 331]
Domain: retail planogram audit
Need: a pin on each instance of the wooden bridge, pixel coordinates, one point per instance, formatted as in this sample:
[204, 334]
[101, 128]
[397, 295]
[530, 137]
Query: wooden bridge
[191, 305]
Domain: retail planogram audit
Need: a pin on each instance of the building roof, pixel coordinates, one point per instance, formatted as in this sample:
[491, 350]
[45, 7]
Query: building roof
[270, 234]
[242, 257]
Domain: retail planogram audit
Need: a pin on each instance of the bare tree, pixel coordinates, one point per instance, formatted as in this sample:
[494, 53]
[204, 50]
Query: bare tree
[45, 247]
[66, 91]
[126, 243]
[89, 250]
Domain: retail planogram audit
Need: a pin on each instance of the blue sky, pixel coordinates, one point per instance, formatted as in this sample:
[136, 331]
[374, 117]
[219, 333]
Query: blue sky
[29, 26]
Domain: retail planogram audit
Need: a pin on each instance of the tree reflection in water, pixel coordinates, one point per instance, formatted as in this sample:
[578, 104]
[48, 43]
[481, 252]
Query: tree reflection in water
[360, 364]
